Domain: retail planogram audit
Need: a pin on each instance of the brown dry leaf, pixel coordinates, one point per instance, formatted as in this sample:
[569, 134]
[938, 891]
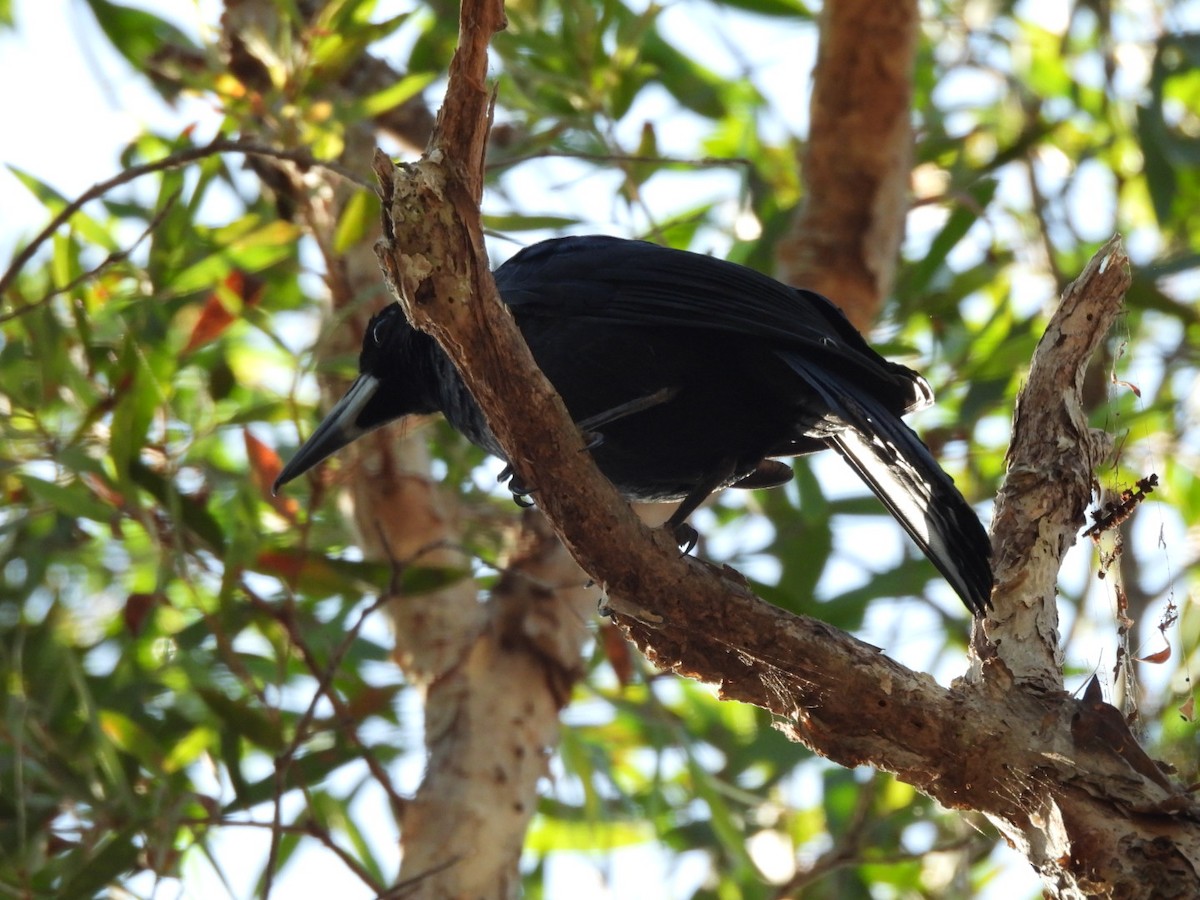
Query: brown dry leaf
[265, 466]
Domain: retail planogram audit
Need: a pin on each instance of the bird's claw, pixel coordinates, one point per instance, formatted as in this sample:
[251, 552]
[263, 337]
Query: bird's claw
[592, 440]
[520, 493]
[686, 537]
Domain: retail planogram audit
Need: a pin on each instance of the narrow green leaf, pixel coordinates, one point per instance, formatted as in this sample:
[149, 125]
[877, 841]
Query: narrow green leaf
[115, 857]
[694, 86]
[359, 216]
[304, 771]
[73, 500]
[1160, 174]
[518, 222]
[128, 735]
[416, 580]
[242, 718]
[189, 748]
[195, 514]
[788, 9]
[548, 835]
[392, 96]
[136, 34]
[253, 251]
[918, 277]
[321, 575]
[55, 202]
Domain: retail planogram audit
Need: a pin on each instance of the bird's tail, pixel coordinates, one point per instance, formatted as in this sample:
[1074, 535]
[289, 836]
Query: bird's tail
[897, 466]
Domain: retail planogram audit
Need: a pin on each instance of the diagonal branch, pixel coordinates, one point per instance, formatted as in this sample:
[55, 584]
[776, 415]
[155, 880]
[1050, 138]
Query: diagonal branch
[1051, 462]
[176, 160]
[1056, 774]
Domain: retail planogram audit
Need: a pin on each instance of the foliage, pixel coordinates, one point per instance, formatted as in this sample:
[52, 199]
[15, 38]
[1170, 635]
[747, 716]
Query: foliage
[187, 656]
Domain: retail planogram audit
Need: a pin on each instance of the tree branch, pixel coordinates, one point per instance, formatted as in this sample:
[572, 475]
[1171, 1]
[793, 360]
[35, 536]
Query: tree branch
[1060, 777]
[176, 160]
[1011, 754]
[1050, 475]
[856, 163]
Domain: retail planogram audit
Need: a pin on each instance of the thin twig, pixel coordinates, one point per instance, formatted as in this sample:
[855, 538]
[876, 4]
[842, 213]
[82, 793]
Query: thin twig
[174, 161]
[324, 675]
[306, 829]
[111, 260]
[704, 162]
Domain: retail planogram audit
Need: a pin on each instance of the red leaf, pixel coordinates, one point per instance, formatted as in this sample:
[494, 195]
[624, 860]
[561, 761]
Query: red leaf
[286, 565]
[616, 649]
[137, 608]
[1188, 709]
[215, 317]
[265, 466]
[1157, 658]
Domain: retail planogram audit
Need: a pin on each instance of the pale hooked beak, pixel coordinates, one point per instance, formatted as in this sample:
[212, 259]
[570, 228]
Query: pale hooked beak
[336, 430]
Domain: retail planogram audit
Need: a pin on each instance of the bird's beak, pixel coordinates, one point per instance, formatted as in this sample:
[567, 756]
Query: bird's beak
[336, 430]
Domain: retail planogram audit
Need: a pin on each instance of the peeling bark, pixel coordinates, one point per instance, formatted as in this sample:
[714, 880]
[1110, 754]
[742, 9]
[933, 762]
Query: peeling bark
[492, 722]
[1049, 479]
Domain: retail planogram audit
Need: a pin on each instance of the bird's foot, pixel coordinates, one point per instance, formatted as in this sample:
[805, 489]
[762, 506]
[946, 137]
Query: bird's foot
[685, 536]
[591, 440]
[520, 493]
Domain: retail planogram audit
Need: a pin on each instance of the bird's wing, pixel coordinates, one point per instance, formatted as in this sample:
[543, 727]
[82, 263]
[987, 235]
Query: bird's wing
[897, 466]
[615, 281]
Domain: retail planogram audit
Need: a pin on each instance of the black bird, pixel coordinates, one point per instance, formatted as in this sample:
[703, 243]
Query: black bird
[690, 374]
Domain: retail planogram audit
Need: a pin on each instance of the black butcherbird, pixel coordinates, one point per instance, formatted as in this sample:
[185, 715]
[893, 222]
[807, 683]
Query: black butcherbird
[690, 374]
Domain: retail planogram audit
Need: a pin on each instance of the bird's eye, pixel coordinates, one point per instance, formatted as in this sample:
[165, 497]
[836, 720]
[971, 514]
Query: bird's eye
[380, 324]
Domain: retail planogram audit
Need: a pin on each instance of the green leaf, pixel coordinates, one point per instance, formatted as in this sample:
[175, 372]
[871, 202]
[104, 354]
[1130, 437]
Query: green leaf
[917, 277]
[193, 513]
[359, 217]
[341, 34]
[115, 856]
[74, 500]
[128, 735]
[1160, 173]
[136, 34]
[252, 251]
[694, 86]
[519, 222]
[302, 772]
[88, 227]
[417, 580]
[243, 718]
[137, 398]
[189, 748]
[789, 9]
[390, 97]
[548, 835]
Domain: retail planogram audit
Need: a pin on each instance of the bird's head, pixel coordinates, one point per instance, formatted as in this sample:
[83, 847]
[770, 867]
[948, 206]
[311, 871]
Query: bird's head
[394, 372]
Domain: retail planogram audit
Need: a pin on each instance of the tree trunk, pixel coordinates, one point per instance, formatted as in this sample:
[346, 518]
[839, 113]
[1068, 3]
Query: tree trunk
[494, 674]
[855, 168]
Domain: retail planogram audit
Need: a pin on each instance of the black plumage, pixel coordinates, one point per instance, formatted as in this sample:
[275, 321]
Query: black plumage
[691, 374]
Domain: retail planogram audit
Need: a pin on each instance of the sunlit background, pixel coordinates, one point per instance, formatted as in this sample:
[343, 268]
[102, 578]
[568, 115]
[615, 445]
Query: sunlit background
[70, 106]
